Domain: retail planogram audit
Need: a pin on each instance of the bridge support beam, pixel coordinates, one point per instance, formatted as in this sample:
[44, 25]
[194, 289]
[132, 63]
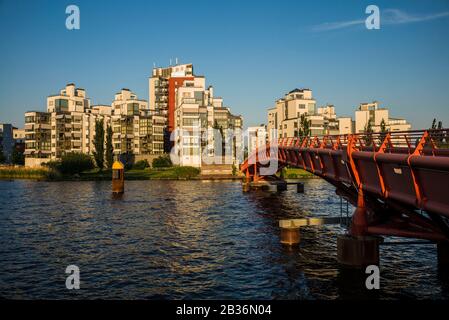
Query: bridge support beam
[290, 236]
[265, 185]
[359, 220]
[443, 254]
[281, 187]
[358, 252]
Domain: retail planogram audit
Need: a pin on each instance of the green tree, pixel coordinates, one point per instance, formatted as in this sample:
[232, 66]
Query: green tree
[109, 148]
[162, 161]
[383, 130]
[74, 163]
[434, 124]
[141, 165]
[17, 157]
[304, 126]
[99, 144]
[368, 134]
[218, 127]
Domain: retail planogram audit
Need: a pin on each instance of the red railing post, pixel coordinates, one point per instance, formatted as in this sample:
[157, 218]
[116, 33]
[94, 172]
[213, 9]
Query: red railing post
[359, 220]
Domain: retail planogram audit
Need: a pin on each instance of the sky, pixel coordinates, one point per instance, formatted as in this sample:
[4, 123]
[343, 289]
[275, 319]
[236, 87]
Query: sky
[252, 52]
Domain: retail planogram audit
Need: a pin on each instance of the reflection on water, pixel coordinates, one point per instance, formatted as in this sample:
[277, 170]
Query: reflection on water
[187, 240]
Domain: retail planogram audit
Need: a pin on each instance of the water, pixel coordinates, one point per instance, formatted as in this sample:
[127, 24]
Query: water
[187, 240]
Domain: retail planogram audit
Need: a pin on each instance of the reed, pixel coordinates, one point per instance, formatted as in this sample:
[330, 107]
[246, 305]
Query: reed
[20, 172]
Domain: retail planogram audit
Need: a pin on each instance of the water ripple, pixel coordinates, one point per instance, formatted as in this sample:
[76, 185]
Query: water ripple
[185, 240]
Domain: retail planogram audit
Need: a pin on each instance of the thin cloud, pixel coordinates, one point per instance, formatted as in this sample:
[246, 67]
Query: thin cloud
[396, 16]
[387, 17]
[336, 25]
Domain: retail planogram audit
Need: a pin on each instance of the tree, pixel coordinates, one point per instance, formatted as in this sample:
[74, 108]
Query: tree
[74, 163]
[221, 147]
[438, 137]
[2, 157]
[109, 148]
[162, 161]
[304, 126]
[99, 144]
[434, 124]
[17, 157]
[383, 130]
[368, 134]
[141, 165]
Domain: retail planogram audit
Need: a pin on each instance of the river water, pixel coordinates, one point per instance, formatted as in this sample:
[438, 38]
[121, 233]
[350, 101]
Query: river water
[188, 240]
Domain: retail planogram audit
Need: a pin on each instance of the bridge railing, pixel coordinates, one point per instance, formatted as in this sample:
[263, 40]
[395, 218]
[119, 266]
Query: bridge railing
[411, 167]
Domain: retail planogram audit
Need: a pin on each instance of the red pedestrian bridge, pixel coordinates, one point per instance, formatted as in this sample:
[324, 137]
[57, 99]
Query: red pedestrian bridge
[398, 181]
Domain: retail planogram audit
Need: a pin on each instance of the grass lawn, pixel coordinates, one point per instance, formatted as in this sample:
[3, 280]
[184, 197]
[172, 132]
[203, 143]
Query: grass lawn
[172, 173]
[296, 173]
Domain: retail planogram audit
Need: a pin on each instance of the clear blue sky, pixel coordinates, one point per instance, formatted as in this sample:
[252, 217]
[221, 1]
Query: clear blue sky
[252, 52]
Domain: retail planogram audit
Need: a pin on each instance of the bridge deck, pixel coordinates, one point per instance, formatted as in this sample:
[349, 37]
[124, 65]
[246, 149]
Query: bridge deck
[408, 170]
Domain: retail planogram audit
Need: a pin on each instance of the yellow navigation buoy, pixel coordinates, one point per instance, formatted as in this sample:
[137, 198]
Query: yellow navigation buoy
[118, 177]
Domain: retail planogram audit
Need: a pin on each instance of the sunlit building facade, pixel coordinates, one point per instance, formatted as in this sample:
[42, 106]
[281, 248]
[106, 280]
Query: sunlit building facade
[206, 131]
[374, 114]
[69, 126]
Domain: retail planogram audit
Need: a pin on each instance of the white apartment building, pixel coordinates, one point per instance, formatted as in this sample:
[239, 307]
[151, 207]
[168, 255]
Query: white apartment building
[285, 117]
[37, 138]
[371, 112]
[18, 135]
[127, 109]
[345, 125]
[257, 137]
[69, 126]
[206, 131]
[72, 121]
[287, 111]
[135, 129]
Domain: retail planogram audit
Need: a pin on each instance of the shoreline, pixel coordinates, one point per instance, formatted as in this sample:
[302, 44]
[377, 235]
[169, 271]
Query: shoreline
[171, 173]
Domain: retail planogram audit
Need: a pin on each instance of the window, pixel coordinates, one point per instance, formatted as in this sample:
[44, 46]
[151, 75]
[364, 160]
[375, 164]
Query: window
[190, 122]
[29, 119]
[132, 108]
[61, 104]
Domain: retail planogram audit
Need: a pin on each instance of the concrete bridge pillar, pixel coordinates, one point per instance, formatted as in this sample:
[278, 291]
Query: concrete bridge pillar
[358, 252]
[290, 236]
[443, 254]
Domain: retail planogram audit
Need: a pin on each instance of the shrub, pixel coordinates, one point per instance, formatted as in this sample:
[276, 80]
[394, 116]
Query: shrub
[74, 163]
[162, 161]
[234, 170]
[186, 172]
[53, 164]
[141, 165]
